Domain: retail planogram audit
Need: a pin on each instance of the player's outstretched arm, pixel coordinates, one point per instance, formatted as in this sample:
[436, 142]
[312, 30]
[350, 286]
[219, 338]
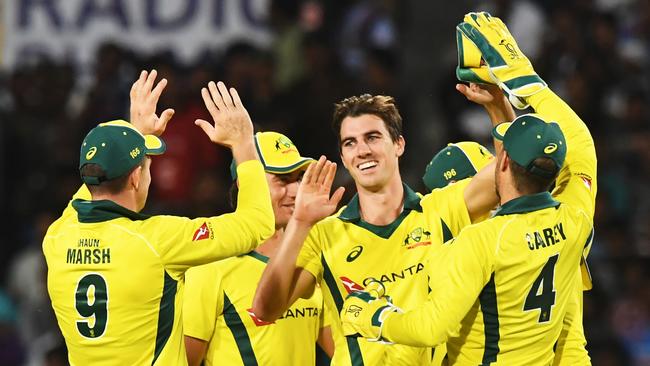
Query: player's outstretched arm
[144, 100]
[282, 282]
[480, 195]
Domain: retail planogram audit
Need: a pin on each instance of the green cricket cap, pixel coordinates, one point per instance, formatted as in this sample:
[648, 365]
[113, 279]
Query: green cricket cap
[277, 153]
[529, 137]
[117, 147]
[455, 162]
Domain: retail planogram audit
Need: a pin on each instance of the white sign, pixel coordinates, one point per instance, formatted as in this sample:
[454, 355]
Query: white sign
[72, 29]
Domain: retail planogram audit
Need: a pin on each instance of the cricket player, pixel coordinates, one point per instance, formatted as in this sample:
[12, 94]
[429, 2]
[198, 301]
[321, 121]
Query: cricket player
[115, 275]
[506, 288]
[455, 162]
[385, 232]
[219, 325]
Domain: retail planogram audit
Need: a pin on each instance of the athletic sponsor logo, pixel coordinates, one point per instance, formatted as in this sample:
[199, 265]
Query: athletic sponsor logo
[550, 148]
[259, 322]
[91, 152]
[417, 237]
[514, 55]
[350, 286]
[391, 277]
[201, 233]
[355, 253]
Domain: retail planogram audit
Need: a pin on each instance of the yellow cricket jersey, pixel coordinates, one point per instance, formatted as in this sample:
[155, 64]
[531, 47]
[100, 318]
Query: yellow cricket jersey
[217, 309]
[115, 277]
[577, 186]
[343, 253]
[502, 287]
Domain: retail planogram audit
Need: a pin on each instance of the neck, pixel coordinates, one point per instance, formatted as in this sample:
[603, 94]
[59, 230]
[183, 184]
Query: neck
[124, 199]
[507, 194]
[383, 206]
[270, 246]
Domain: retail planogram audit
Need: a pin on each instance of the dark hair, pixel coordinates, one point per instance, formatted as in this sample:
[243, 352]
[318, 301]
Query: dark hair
[382, 106]
[529, 183]
[112, 186]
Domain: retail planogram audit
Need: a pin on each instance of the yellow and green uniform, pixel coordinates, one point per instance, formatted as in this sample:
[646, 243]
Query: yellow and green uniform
[502, 287]
[217, 309]
[343, 253]
[498, 328]
[576, 185]
[115, 277]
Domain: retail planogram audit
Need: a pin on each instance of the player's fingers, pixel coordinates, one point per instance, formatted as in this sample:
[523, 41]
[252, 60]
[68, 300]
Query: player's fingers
[209, 103]
[318, 168]
[227, 100]
[137, 86]
[216, 96]
[155, 93]
[148, 84]
[235, 98]
[205, 126]
[337, 196]
[329, 178]
[307, 177]
[464, 90]
[165, 117]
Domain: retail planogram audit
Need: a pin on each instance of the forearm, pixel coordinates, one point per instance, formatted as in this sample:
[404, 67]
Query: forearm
[418, 328]
[244, 151]
[499, 111]
[277, 287]
[253, 200]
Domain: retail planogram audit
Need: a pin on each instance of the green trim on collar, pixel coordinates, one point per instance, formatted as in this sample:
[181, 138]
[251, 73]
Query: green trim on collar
[528, 203]
[103, 210]
[351, 214]
[258, 256]
[351, 211]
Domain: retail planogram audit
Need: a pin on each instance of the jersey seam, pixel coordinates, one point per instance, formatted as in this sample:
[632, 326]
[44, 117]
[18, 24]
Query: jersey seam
[139, 236]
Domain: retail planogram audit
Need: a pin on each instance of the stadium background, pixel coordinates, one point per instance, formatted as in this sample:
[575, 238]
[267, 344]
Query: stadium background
[66, 67]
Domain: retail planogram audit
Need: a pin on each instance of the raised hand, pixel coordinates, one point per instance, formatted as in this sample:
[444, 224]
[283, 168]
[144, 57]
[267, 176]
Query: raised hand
[232, 124]
[480, 94]
[144, 100]
[313, 201]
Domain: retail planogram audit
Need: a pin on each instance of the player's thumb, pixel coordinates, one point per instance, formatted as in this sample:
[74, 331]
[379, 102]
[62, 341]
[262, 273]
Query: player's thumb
[165, 117]
[205, 126]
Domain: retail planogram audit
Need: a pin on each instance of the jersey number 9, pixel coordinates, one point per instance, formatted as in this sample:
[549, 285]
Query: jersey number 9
[91, 302]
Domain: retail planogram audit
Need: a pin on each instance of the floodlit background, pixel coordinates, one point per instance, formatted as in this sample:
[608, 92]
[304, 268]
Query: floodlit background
[67, 65]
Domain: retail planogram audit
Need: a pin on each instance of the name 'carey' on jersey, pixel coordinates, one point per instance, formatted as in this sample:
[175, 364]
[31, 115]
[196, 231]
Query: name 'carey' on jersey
[88, 252]
[547, 237]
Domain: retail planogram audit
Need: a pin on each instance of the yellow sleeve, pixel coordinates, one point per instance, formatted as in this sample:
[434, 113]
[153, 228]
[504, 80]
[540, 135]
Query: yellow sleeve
[309, 257]
[449, 204]
[183, 242]
[202, 301]
[576, 183]
[465, 272]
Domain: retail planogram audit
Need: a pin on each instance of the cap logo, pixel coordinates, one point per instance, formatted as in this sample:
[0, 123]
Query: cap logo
[550, 148]
[134, 153]
[91, 152]
[284, 144]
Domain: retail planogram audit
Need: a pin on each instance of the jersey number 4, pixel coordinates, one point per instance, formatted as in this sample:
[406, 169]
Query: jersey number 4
[91, 302]
[542, 294]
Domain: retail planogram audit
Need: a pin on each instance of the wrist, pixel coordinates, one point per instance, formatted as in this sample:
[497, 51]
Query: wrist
[244, 150]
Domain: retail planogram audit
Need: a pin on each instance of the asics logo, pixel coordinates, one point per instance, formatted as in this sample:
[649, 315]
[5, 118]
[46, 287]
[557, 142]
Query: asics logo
[550, 148]
[91, 152]
[355, 253]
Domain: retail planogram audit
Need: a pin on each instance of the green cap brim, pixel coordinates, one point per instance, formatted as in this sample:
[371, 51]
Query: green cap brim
[499, 131]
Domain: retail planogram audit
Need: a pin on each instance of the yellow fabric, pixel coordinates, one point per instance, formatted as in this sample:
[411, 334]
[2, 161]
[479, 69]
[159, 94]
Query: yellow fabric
[290, 340]
[331, 254]
[576, 185]
[278, 153]
[141, 263]
[494, 254]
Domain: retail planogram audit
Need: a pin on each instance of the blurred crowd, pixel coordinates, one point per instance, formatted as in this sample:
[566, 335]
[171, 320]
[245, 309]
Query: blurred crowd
[596, 54]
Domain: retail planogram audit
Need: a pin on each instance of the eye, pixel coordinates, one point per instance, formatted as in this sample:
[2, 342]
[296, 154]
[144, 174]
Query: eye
[348, 143]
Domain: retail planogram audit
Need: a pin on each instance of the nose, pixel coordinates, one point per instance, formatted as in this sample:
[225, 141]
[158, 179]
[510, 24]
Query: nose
[363, 149]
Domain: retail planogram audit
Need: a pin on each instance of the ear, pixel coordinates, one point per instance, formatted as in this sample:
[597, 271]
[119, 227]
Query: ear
[135, 177]
[505, 161]
[401, 144]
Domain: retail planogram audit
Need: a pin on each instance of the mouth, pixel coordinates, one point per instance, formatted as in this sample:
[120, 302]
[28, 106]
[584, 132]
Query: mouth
[367, 165]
